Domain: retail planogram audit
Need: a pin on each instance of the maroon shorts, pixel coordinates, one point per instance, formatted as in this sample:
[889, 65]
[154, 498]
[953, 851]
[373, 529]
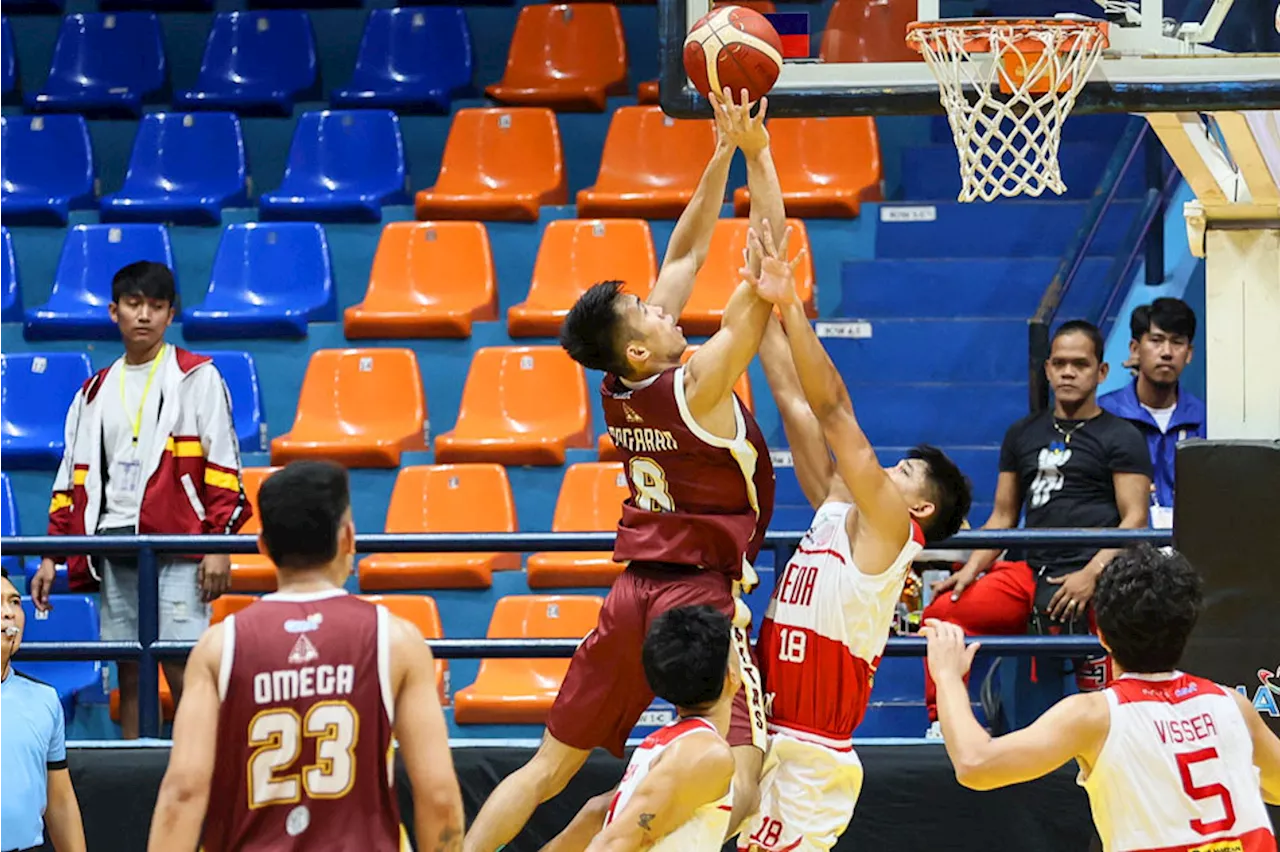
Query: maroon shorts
[605, 690]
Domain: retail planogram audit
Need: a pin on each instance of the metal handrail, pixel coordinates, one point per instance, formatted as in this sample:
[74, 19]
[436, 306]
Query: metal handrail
[148, 650]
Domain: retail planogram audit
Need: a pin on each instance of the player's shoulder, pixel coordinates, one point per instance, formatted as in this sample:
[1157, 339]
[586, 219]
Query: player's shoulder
[703, 750]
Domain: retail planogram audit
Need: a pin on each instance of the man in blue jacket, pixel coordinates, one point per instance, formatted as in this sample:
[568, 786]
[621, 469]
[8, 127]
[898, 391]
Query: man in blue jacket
[1161, 345]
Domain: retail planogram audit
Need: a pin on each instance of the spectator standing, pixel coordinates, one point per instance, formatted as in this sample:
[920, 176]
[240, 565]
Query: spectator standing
[37, 790]
[150, 449]
[1161, 344]
[1074, 465]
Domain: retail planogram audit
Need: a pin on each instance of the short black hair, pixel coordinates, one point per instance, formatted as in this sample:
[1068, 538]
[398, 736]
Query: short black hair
[686, 655]
[1146, 603]
[4, 572]
[1086, 328]
[951, 493]
[302, 506]
[1173, 315]
[592, 331]
[145, 278]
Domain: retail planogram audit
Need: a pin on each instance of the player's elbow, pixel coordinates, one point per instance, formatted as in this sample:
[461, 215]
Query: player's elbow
[183, 790]
[441, 802]
[973, 774]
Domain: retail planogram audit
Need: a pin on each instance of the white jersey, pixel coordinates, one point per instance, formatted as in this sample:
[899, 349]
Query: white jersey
[705, 830]
[1176, 771]
[824, 631]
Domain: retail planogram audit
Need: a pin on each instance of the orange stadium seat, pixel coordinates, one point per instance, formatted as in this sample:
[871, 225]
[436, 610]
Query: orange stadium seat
[167, 706]
[521, 405]
[429, 279]
[514, 692]
[574, 254]
[605, 446]
[590, 500]
[868, 31]
[568, 55]
[443, 499]
[650, 166]
[229, 605]
[719, 276]
[648, 93]
[500, 163]
[251, 572]
[827, 166]
[358, 407]
[422, 611]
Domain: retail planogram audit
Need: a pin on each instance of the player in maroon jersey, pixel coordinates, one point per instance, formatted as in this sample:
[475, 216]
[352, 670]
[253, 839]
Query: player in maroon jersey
[304, 690]
[701, 488]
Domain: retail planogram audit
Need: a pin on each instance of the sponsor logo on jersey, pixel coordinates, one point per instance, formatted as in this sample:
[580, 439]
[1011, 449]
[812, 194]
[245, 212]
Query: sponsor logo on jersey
[304, 625]
[303, 651]
[630, 413]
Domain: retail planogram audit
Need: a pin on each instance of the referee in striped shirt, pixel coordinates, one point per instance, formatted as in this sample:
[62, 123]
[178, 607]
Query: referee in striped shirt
[37, 789]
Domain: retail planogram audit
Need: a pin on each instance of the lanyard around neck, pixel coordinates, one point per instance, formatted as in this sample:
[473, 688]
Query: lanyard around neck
[136, 423]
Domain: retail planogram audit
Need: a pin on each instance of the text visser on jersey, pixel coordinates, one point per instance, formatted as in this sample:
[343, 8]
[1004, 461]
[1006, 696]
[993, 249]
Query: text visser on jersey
[304, 729]
[696, 499]
[1176, 772]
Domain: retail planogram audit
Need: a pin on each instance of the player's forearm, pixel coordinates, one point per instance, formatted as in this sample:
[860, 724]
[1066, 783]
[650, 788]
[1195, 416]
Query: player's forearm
[66, 830]
[965, 739]
[692, 234]
[177, 822]
[438, 820]
[821, 381]
[766, 196]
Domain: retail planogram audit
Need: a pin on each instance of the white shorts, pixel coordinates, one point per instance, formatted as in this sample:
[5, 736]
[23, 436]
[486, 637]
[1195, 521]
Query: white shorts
[807, 795]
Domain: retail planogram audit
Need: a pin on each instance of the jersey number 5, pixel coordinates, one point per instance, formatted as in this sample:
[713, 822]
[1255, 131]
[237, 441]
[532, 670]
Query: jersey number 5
[276, 737]
[650, 481]
[1209, 791]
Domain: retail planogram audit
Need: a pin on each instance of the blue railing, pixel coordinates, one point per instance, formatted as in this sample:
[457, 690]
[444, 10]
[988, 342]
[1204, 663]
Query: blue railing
[149, 649]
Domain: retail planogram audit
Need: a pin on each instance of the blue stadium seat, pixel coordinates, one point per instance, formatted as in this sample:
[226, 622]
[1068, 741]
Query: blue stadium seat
[269, 280]
[184, 169]
[9, 60]
[104, 63]
[91, 256]
[72, 618]
[47, 168]
[37, 389]
[410, 59]
[10, 291]
[9, 524]
[241, 376]
[343, 166]
[255, 62]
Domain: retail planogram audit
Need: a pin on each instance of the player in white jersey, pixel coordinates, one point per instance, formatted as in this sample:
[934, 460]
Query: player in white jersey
[1171, 762]
[677, 792]
[833, 604]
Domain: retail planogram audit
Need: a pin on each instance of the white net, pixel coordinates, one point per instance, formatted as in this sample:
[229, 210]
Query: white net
[1006, 130]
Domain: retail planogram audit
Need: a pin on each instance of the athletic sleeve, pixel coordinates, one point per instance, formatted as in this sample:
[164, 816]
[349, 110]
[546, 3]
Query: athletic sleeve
[1127, 450]
[57, 756]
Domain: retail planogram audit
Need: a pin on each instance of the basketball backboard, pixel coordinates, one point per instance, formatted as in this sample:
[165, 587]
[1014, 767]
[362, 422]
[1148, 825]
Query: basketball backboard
[1164, 55]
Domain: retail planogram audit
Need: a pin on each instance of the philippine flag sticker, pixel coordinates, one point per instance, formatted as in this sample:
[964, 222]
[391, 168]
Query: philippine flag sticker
[793, 30]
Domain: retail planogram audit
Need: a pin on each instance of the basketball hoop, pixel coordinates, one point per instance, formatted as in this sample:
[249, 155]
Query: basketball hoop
[1006, 111]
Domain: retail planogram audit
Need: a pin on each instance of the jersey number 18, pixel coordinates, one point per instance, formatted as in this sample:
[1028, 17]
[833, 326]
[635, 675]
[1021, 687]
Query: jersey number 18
[792, 645]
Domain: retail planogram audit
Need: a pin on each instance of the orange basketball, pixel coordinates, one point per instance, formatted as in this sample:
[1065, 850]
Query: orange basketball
[735, 47]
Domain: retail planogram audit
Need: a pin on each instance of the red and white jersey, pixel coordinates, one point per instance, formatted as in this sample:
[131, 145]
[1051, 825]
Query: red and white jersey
[1176, 772]
[824, 632]
[705, 831]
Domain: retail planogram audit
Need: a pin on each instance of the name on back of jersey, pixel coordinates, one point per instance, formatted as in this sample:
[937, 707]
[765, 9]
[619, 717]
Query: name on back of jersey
[282, 686]
[644, 439]
[1185, 730]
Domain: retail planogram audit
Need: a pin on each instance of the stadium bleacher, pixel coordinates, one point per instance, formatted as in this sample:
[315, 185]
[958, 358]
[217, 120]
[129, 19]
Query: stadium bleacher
[380, 275]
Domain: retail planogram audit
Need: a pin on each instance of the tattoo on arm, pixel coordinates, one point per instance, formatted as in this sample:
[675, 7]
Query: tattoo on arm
[646, 820]
[450, 839]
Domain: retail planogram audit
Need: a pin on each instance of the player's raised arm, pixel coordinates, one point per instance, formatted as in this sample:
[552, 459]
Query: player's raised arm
[1075, 727]
[184, 792]
[809, 452]
[687, 248]
[695, 771]
[423, 740]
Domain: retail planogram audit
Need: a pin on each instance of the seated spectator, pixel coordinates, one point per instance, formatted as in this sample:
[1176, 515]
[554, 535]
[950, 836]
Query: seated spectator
[1162, 342]
[1074, 465]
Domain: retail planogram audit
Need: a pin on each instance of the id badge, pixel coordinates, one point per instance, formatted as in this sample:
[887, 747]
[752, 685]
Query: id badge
[1162, 517]
[127, 475]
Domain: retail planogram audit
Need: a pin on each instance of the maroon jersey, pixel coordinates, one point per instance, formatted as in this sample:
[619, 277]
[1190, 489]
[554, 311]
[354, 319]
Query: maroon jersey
[304, 729]
[696, 499]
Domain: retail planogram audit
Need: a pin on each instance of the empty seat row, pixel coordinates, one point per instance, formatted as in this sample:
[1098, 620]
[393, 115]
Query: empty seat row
[268, 280]
[442, 499]
[498, 164]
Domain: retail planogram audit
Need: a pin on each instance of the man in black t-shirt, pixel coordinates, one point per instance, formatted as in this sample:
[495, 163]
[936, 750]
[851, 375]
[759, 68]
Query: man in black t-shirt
[1072, 466]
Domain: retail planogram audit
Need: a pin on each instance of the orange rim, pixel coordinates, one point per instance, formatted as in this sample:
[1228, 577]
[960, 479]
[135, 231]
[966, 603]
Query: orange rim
[977, 33]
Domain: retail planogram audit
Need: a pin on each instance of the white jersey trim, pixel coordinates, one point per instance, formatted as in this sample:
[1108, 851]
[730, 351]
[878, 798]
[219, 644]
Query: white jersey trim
[740, 423]
[815, 739]
[304, 597]
[228, 656]
[384, 662]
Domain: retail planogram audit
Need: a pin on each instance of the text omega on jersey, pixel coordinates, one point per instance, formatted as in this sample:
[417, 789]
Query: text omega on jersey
[284, 685]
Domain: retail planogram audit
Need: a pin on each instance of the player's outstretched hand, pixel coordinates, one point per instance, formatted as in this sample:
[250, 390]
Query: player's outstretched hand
[736, 126]
[948, 656]
[776, 282]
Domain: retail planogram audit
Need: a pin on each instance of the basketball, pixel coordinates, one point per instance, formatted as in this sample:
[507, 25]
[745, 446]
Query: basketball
[735, 47]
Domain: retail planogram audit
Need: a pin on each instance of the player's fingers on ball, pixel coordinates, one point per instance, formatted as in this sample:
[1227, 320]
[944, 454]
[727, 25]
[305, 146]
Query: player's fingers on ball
[764, 107]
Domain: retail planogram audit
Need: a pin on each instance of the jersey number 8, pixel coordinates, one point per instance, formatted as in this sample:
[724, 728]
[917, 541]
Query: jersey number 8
[650, 481]
[276, 737]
